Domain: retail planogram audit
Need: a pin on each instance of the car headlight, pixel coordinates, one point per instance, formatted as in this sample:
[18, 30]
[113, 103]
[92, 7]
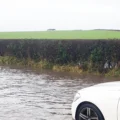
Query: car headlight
[77, 96]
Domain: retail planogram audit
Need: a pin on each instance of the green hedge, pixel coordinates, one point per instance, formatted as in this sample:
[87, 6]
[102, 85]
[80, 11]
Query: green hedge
[92, 54]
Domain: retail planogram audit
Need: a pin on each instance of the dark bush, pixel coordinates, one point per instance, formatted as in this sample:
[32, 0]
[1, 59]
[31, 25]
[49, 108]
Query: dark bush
[93, 52]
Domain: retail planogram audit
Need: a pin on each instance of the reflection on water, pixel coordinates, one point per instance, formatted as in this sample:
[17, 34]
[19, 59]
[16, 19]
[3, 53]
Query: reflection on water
[30, 95]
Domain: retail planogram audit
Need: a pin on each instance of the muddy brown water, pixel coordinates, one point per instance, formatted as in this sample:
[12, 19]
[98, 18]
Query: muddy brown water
[39, 95]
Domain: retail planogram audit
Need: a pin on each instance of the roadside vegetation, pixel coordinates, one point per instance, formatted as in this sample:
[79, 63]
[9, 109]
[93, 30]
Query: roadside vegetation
[79, 56]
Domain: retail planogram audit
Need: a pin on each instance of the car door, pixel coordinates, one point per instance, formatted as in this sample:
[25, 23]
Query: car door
[119, 109]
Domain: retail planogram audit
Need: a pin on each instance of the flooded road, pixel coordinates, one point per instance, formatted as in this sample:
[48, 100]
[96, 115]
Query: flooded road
[31, 95]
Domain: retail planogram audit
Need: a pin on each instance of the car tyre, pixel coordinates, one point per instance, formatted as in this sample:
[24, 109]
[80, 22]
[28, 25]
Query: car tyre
[88, 111]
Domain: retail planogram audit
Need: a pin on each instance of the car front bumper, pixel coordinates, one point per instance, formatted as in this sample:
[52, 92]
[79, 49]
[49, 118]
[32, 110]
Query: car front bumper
[73, 110]
[75, 105]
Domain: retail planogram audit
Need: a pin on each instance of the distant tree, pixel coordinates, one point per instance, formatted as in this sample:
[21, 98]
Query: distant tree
[50, 29]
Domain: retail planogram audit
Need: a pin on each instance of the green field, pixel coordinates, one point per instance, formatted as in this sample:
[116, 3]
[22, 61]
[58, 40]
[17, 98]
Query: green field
[75, 34]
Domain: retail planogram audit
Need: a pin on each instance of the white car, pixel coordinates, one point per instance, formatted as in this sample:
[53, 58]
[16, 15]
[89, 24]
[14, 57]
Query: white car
[98, 102]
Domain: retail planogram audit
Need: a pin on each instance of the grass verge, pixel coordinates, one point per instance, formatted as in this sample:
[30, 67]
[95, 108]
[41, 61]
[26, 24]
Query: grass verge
[43, 64]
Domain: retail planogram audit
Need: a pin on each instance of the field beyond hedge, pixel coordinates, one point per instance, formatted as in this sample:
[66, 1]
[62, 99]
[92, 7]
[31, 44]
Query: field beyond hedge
[75, 34]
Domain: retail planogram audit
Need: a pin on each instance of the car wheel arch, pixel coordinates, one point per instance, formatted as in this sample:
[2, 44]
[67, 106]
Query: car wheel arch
[86, 102]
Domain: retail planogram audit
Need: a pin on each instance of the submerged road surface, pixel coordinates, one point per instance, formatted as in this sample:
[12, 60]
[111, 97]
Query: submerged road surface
[30, 95]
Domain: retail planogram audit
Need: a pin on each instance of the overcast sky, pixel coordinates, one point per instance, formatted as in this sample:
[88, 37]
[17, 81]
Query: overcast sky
[31, 15]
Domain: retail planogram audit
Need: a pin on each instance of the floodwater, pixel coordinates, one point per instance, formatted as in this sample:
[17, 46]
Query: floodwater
[39, 95]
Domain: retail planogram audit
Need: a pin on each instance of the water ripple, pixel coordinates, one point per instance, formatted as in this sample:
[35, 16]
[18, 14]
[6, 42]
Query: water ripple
[27, 95]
